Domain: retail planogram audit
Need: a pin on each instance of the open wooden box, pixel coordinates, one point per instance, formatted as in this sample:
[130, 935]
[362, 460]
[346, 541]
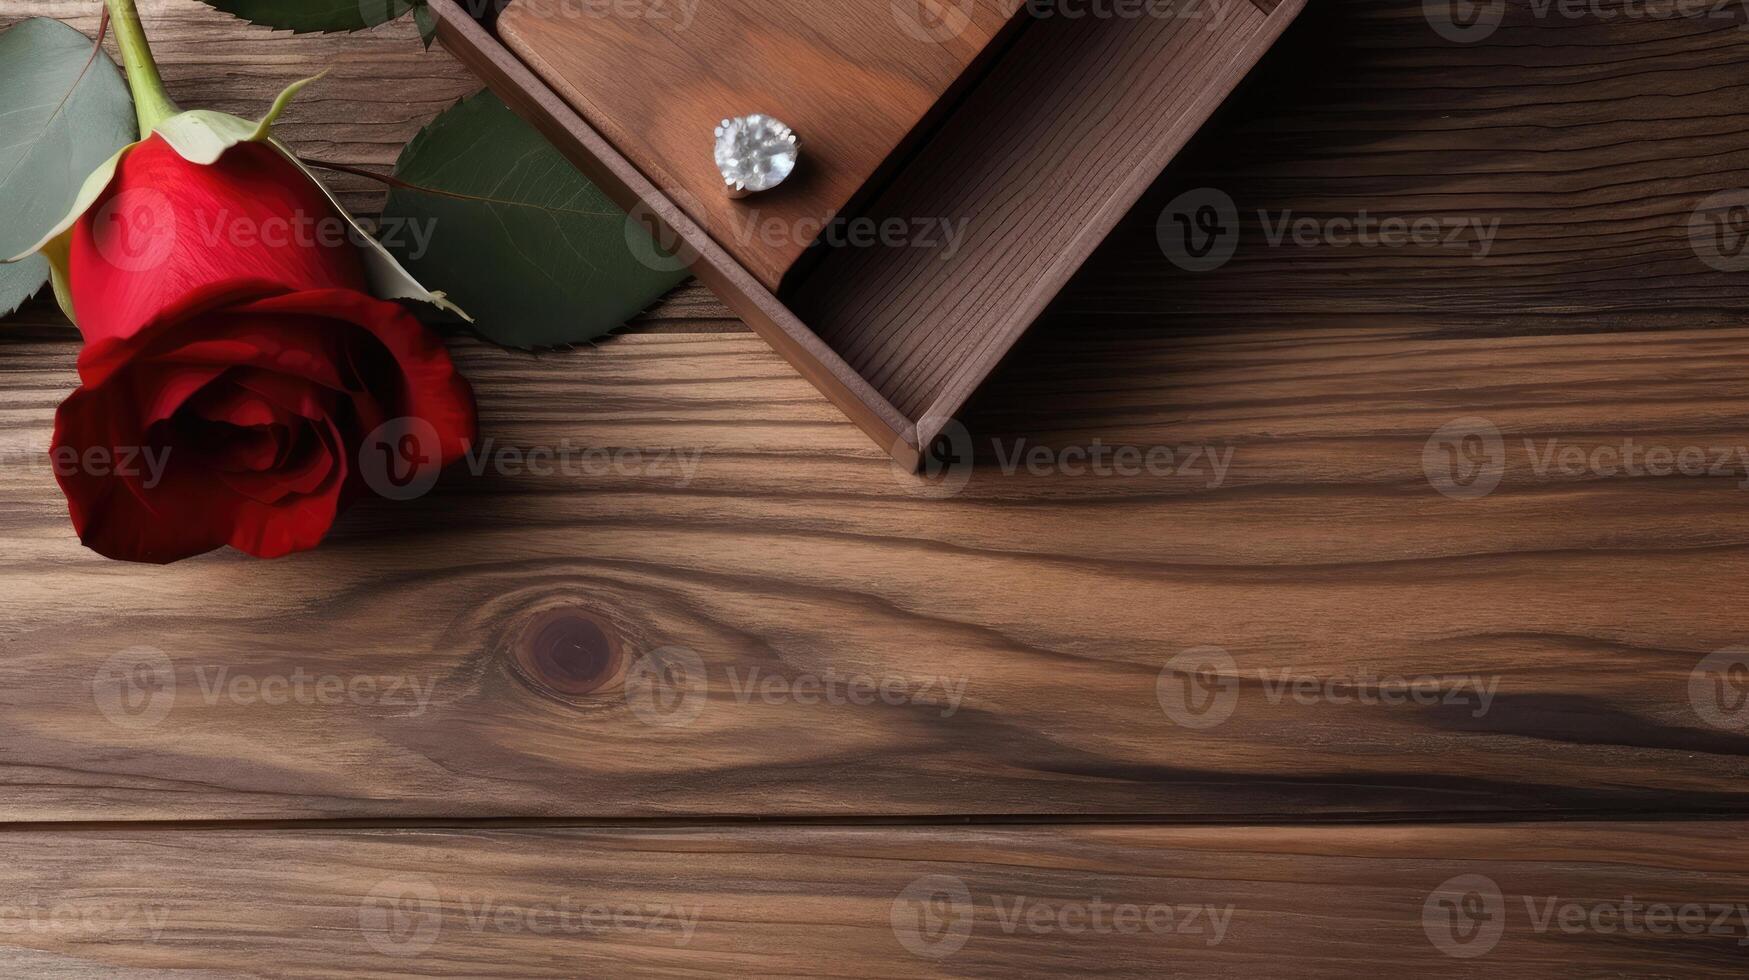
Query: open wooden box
[1029, 131]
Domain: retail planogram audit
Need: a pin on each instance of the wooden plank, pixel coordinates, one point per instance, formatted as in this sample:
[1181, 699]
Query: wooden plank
[1590, 139]
[1056, 598]
[1327, 522]
[1024, 623]
[1518, 900]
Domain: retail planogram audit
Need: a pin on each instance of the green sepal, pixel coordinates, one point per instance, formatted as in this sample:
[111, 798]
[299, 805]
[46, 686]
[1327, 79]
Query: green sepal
[201, 136]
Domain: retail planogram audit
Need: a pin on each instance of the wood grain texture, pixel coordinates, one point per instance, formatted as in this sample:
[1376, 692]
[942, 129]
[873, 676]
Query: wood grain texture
[1044, 154]
[1033, 170]
[1590, 139]
[855, 80]
[1051, 603]
[1583, 144]
[623, 183]
[516, 599]
[879, 901]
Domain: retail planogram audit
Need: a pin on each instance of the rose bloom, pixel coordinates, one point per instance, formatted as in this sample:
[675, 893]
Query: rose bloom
[253, 366]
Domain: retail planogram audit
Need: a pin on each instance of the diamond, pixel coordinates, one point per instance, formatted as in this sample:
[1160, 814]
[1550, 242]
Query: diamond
[755, 153]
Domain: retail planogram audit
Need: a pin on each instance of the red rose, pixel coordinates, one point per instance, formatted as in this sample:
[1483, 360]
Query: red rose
[234, 363]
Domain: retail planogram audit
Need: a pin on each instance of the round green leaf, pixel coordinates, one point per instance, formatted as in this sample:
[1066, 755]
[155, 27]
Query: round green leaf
[515, 235]
[314, 16]
[61, 115]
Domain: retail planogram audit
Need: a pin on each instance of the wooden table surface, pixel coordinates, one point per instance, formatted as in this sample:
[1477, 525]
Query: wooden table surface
[754, 703]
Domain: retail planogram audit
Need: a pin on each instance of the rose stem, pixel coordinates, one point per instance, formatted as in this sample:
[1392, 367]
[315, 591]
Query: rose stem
[151, 103]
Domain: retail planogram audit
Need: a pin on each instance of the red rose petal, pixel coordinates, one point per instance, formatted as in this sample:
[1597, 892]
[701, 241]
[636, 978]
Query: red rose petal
[117, 515]
[432, 389]
[166, 229]
[272, 527]
[275, 374]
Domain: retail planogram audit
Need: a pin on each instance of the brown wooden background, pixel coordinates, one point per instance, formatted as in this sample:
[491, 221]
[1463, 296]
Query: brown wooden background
[378, 833]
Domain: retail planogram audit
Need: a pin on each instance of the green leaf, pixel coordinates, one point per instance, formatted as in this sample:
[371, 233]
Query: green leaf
[427, 22]
[20, 282]
[518, 237]
[63, 115]
[307, 16]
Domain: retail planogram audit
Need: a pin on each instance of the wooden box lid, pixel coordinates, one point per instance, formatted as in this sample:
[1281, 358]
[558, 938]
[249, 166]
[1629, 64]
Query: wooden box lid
[1028, 134]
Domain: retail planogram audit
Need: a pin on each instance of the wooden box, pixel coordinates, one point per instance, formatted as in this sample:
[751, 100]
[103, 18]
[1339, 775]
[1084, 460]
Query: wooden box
[961, 158]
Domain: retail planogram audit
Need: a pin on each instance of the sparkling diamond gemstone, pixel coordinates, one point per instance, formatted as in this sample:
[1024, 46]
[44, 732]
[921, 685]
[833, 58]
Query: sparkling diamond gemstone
[755, 153]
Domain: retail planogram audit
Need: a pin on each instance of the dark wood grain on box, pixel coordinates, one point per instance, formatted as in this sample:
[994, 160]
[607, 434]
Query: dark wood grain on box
[1101, 103]
[854, 79]
[602, 163]
[856, 902]
[1034, 170]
